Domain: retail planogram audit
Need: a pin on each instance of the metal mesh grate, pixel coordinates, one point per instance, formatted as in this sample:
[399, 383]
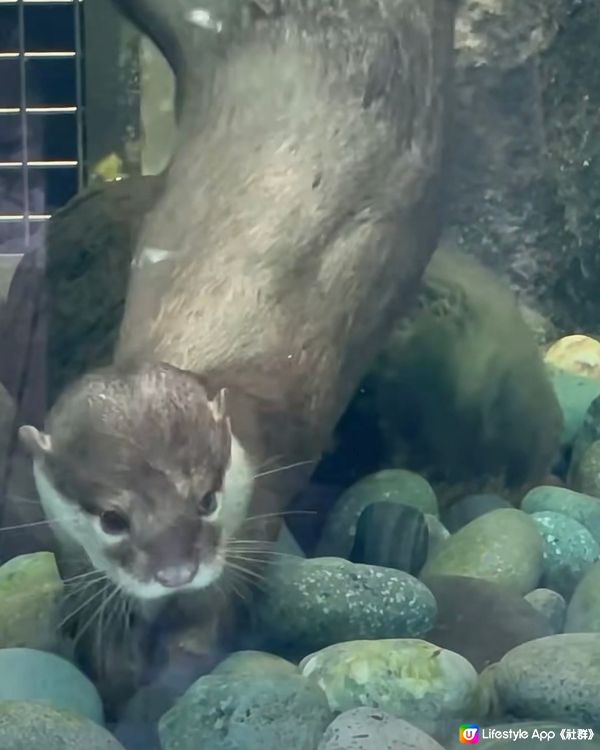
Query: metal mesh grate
[41, 115]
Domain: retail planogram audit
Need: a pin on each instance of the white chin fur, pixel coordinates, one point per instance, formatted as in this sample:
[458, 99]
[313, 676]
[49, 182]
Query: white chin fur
[77, 532]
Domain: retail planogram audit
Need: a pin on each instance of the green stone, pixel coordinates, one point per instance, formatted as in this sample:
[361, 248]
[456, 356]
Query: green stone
[503, 546]
[581, 508]
[254, 663]
[583, 612]
[585, 474]
[390, 485]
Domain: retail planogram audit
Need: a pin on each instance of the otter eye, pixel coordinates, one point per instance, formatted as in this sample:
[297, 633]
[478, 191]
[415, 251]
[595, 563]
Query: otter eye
[208, 504]
[113, 522]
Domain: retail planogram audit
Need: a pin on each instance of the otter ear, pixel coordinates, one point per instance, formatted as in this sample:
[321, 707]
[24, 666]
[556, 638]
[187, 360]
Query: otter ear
[38, 443]
[218, 405]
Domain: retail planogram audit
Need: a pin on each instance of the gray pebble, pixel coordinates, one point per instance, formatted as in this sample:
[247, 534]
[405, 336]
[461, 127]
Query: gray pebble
[310, 604]
[371, 729]
[551, 605]
[569, 550]
[583, 612]
[579, 507]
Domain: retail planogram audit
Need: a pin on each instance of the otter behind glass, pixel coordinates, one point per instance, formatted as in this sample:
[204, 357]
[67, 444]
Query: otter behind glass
[297, 217]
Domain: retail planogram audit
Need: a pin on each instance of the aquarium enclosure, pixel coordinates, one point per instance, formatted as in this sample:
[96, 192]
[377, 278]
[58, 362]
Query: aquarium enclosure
[299, 374]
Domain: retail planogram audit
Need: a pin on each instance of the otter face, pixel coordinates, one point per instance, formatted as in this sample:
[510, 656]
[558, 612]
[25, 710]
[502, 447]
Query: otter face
[142, 472]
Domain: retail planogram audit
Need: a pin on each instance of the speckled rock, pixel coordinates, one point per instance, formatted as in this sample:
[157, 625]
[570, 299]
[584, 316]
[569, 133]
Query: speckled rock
[314, 603]
[584, 473]
[551, 605]
[469, 508]
[503, 620]
[587, 435]
[569, 550]
[575, 393]
[372, 729]
[391, 535]
[391, 485]
[238, 713]
[28, 675]
[554, 678]
[438, 534]
[577, 354]
[35, 726]
[30, 596]
[583, 612]
[581, 508]
[410, 679]
[254, 663]
[503, 546]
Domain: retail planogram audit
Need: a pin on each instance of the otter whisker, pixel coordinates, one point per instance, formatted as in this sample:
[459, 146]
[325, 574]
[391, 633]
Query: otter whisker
[281, 514]
[250, 576]
[285, 468]
[20, 499]
[70, 580]
[36, 523]
[84, 605]
[79, 587]
[97, 611]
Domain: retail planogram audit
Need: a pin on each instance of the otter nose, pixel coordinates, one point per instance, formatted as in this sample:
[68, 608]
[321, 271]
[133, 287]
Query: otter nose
[176, 575]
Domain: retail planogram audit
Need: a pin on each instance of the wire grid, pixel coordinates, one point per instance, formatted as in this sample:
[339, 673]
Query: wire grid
[28, 216]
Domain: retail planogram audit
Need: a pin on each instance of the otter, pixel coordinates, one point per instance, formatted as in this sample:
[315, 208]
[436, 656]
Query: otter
[298, 214]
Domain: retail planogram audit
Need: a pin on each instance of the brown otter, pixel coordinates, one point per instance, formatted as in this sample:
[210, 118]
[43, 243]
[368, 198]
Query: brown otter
[297, 218]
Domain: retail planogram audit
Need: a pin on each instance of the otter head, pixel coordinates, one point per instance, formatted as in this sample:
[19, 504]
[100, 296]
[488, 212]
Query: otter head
[140, 470]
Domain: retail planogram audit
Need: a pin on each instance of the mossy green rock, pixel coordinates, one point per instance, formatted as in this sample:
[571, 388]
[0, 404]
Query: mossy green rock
[554, 678]
[551, 605]
[503, 546]
[585, 473]
[233, 712]
[582, 508]
[390, 485]
[583, 612]
[311, 604]
[569, 550]
[30, 594]
[575, 393]
[35, 726]
[254, 663]
[409, 679]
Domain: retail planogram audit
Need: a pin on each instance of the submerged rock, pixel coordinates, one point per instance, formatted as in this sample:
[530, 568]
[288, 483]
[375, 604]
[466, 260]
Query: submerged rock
[581, 508]
[551, 605]
[469, 508]
[226, 712]
[392, 536]
[438, 534]
[254, 663]
[35, 726]
[583, 612]
[28, 675]
[409, 679]
[554, 678]
[503, 547]
[481, 620]
[372, 729]
[310, 604]
[575, 393]
[30, 595]
[569, 550]
[577, 354]
[391, 486]
[584, 474]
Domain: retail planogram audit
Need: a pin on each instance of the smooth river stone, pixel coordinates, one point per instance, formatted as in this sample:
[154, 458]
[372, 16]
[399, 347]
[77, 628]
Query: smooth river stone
[28, 675]
[392, 536]
[313, 603]
[583, 612]
[254, 663]
[555, 678]
[584, 475]
[372, 729]
[35, 726]
[30, 595]
[577, 354]
[569, 551]
[503, 547]
[575, 394]
[551, 605]
[390, 485]
[500, 619]
[579, 507]
[409, 679]
[233, 712]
